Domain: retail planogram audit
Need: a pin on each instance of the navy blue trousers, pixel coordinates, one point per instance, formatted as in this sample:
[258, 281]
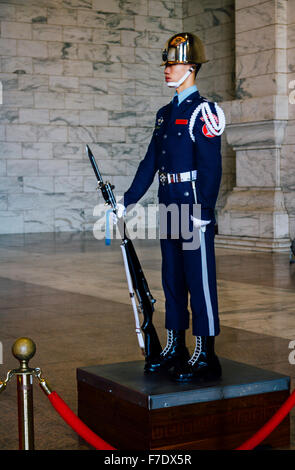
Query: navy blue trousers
[191, 273]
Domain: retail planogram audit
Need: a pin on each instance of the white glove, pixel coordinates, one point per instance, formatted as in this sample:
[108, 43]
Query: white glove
[120, 212]
[200, 223]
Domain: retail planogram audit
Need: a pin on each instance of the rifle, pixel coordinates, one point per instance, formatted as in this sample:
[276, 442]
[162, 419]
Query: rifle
[137, 283]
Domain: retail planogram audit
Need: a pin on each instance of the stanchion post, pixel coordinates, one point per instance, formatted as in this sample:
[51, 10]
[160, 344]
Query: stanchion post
[24, 349]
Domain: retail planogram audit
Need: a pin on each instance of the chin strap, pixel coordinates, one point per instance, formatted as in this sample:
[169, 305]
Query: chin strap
[182, 79]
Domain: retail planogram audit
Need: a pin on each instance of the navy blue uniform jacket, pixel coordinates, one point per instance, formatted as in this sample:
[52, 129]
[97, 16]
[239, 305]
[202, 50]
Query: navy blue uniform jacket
[172, 150]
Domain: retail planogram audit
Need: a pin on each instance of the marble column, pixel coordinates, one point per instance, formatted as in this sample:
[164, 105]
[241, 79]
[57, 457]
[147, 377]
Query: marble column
[254, 215]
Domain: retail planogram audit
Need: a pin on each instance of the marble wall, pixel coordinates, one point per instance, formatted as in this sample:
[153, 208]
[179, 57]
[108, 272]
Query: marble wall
[256, 121]
[76, 72]
[87, 71]
[260, 123]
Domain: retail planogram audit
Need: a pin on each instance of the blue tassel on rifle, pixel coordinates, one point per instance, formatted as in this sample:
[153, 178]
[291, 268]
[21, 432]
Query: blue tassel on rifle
[108, 232]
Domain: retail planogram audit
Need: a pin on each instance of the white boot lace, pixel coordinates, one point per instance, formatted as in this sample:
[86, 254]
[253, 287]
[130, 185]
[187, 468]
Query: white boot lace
[197, 351]
[169, 343]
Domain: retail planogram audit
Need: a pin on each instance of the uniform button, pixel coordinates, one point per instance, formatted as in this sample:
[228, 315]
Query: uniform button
[186, 193]
[162, 168]
[163, 152]
[165, 136]
[179, 133]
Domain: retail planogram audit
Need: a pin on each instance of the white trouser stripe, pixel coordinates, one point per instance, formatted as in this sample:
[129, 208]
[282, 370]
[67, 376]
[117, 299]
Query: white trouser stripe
[206, 284]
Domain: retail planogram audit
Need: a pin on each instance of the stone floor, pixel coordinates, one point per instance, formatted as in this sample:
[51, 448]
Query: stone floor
[68, 292]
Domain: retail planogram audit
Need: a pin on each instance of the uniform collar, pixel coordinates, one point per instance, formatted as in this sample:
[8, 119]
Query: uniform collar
[192, 97]
[185, 93]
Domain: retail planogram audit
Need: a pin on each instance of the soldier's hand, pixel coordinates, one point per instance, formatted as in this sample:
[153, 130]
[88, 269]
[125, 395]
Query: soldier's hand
[120, 212]
[198, 223]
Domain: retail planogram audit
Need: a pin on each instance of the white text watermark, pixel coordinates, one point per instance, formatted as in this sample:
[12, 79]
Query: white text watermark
[174, 221]
[292, 93]
[292, 353]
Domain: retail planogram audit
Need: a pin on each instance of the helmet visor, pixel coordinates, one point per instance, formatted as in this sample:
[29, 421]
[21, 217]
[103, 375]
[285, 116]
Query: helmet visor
[176, 55]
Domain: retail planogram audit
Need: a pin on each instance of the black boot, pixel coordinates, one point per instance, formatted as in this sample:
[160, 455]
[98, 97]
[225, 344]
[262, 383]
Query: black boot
[203, 364]
[174, 354]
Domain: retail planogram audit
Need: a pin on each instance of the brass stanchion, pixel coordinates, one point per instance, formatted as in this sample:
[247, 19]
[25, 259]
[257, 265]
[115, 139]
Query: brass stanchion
[24, 349]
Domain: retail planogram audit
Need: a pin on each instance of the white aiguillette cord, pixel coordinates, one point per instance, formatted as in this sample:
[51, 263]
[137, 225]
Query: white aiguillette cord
[215, 127]
[182, 79]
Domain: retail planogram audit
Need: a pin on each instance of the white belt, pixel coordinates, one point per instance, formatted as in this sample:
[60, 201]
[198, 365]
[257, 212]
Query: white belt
[167, 178]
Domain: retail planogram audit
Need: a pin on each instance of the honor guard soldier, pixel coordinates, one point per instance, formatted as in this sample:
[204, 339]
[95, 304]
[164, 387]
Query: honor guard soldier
[185, 151]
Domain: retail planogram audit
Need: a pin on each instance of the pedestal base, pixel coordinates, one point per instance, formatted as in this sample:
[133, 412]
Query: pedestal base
[253, 244]
[133, 411]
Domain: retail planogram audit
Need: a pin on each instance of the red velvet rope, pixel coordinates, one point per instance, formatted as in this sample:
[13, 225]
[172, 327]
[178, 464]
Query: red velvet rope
[270, 425]
[76, 424]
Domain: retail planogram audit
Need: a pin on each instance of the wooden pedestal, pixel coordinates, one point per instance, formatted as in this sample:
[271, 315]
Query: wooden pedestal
[133, 411]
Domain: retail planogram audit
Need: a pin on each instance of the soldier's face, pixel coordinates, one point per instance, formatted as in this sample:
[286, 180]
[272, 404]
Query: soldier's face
[173, 73]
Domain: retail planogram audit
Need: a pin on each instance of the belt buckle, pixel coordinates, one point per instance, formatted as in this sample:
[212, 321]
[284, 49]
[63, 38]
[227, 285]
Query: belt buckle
[163, 178]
